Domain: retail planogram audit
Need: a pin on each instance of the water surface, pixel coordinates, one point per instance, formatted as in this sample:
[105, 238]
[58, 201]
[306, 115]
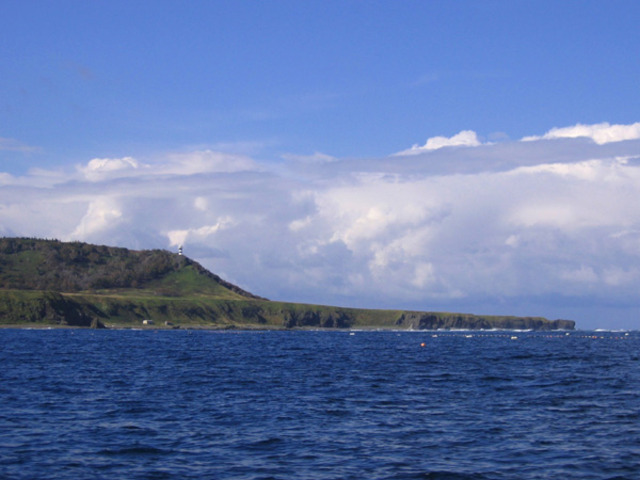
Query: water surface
[319, 405]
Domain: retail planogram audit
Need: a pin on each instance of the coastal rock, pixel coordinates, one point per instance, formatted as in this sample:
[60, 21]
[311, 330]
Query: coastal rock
[449, 321]
[321, 319]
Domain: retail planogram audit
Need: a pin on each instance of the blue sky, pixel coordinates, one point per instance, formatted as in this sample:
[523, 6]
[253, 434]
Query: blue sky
[265, 137]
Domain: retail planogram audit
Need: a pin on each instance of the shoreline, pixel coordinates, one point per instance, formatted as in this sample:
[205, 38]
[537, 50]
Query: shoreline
[263, 328]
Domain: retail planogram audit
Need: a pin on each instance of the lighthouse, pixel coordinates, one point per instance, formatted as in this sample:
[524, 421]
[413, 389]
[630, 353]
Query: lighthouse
[180, 250]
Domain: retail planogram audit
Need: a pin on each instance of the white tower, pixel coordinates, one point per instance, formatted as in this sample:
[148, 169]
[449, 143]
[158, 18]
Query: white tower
[180, 250]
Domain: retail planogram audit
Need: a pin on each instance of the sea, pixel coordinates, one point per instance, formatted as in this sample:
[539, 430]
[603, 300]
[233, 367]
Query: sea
[258, 405]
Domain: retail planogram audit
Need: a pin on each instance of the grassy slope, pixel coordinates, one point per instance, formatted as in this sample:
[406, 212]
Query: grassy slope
[124, 309]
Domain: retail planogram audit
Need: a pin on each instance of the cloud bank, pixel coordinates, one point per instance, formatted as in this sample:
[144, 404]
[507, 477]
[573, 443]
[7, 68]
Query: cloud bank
[540, 227]
[600, 133]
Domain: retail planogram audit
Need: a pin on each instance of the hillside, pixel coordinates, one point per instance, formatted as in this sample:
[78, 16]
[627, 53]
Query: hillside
[33, 264]
[78, 284]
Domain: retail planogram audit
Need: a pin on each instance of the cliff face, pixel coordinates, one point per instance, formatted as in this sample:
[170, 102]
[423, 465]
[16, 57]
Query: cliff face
[46, 307]
[432, 321]
[99, 310]
[320, 319]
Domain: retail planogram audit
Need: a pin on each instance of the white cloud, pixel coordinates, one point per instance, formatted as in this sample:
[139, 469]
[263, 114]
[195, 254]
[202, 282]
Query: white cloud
[317, 157]
[617, 276]
[102, 214]
[600, 133]
[582, 274]
[466, 138]
[512, 240]
[206, 161]
[189, 163]
[424, 275]
[198, 234]
[590, 194]
[201, 203]
[300, 224]
[589, 170]
[6, 179]
[101, 168]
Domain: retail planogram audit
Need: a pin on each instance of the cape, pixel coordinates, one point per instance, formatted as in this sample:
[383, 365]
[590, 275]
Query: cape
[49, 282]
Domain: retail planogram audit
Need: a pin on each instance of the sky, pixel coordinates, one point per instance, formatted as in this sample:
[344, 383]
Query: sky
[466, 156]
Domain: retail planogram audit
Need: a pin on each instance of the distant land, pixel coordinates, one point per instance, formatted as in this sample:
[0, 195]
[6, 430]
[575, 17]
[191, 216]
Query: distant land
[54, 283]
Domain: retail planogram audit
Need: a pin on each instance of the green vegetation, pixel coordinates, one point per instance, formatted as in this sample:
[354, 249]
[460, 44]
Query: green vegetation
[48, 282]
[33, 264]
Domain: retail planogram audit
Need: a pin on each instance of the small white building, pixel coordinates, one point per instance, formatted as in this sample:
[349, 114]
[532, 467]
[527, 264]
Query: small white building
[147, 322]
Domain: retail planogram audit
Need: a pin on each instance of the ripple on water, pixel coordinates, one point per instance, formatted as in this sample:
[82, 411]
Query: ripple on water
[317, 405]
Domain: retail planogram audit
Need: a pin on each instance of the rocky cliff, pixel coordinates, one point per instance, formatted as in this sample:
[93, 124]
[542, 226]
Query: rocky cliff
[448, 321]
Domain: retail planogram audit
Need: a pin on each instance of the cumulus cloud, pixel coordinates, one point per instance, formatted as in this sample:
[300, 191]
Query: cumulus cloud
[199, 234]
[102, 213]
[600, 133]
[101, 168]
[526, 221]
[466, 138]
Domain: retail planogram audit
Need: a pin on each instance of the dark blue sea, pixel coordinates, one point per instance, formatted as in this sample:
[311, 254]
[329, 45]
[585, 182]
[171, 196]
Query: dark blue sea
[123, 404]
